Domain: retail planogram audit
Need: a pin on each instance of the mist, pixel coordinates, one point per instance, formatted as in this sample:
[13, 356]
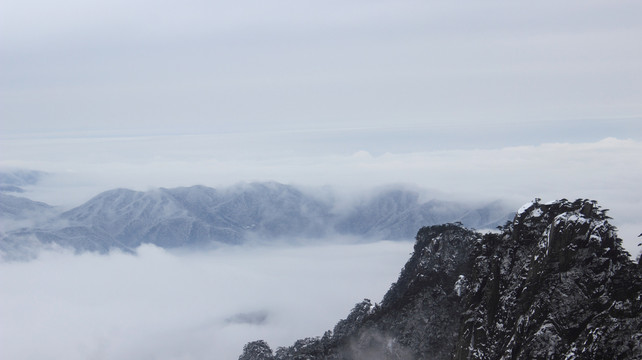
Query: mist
[166, 305]
[607, 170]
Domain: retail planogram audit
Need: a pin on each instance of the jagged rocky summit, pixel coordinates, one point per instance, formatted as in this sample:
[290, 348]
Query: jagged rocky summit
[555, 283]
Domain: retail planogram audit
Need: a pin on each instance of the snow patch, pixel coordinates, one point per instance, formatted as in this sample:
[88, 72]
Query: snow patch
[524, 208]
[460, 285]
[536, 213]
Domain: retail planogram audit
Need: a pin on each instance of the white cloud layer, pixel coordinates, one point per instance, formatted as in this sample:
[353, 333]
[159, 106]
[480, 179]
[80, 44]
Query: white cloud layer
[162, 305]
[607, 170]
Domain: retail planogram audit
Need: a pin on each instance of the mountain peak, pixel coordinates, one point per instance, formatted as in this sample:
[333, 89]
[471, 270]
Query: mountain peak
[555, 283]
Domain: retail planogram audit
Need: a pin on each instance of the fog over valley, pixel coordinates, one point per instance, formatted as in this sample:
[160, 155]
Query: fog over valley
[606, 170]
[195, 305]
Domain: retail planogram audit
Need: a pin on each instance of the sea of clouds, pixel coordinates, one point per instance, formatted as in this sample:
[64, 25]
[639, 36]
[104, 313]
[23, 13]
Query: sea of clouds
[191, 305]
[206, 305]
[348, 161]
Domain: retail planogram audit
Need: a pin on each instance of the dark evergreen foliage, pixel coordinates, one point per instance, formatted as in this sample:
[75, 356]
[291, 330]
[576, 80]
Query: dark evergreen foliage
[554, 284]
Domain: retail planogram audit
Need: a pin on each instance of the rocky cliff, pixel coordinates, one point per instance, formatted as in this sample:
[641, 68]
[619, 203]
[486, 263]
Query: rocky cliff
[555, 283]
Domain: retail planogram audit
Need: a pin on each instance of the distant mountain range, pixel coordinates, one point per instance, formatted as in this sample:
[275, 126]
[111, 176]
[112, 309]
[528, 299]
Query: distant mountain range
[200, 215]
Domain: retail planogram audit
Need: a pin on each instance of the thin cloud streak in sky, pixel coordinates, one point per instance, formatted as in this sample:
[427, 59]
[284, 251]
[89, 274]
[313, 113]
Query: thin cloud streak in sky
[191, 306]
[511, 171]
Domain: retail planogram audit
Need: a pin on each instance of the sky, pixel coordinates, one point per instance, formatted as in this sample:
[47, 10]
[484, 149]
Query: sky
[471, 100]
[142, 94]
[141, 67]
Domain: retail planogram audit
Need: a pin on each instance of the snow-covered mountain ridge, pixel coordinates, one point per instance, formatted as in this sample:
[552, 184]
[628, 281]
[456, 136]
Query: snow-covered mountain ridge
[554, 284]
[199, 215]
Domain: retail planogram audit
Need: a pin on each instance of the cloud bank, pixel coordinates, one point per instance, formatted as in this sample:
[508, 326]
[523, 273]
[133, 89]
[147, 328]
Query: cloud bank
[165, 305]
[607, 170]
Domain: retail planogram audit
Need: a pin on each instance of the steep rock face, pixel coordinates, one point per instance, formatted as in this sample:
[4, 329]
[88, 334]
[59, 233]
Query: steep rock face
[555, 283]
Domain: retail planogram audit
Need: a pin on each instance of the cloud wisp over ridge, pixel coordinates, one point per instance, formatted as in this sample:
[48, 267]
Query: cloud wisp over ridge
[607, 170]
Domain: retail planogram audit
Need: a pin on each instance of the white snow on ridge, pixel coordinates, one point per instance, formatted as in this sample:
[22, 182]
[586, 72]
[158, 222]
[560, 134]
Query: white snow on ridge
[524, 208]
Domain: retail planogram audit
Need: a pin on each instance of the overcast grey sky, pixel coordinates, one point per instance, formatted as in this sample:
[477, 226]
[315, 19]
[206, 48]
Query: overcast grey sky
[219, 66]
